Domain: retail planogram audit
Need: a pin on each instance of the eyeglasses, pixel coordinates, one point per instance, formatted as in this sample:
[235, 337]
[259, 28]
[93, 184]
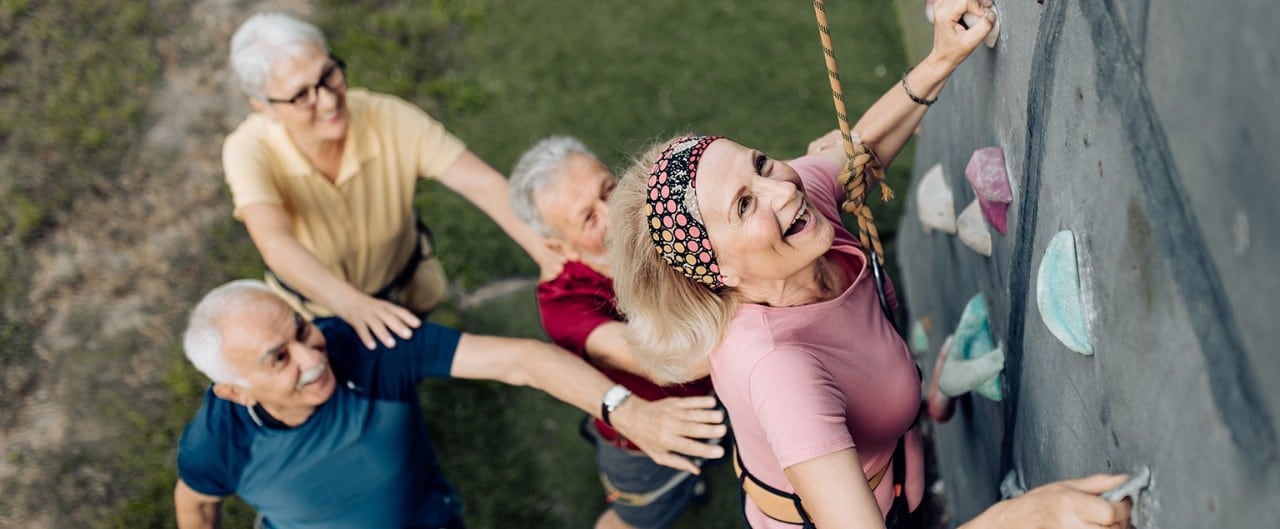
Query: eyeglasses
[333, 79]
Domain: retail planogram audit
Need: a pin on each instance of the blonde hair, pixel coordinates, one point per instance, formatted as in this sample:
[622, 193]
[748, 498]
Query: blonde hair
[673, 322]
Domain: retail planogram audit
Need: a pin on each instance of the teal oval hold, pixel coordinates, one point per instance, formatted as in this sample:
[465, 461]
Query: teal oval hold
[1058, 294]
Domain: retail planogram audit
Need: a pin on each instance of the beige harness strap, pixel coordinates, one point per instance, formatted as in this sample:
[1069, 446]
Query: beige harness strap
[639, 499]
[779, 505]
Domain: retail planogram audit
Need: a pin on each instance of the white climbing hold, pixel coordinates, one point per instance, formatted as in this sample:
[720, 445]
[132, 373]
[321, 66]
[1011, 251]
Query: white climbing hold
[962, 376]
[1137, 481]
[934, 203]
[990, 181]
[970, 19]
[973, 230]
[1012, 485]
[1058, 294]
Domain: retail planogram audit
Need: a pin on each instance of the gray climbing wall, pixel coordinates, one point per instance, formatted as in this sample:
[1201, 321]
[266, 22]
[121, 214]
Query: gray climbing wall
[1152, 131]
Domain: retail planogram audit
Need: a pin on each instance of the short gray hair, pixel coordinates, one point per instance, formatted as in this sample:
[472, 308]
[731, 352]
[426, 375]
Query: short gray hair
[262, 40]
[537, 168]
[202, 341]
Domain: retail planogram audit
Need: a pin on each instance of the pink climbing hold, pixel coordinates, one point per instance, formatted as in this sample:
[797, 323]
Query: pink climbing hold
[940, 406]
[986, 173]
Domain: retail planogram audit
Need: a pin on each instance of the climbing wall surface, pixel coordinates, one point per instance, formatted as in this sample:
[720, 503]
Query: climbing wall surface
[1149, 131]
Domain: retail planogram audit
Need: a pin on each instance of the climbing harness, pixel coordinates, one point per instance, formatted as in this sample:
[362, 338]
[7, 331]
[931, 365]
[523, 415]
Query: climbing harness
[401, 280]
[786, 507]
[640, 499]
[587, 429]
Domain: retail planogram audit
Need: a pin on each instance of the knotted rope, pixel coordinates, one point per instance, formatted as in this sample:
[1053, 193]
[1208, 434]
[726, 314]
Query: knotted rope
[861, 162]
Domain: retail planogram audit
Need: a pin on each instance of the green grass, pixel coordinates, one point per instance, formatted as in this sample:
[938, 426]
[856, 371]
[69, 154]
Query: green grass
[616, 74]
[74, 81]
[70, 107]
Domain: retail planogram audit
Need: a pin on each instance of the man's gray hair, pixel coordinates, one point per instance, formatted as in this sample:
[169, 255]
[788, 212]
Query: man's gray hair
[262, 40]
[537, 168]
[202, 341]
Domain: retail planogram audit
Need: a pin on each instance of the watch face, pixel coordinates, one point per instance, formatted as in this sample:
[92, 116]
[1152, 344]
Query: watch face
[615, 396]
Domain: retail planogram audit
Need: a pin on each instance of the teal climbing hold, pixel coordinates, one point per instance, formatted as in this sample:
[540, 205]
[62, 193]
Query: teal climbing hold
[1058, 294]
[919, 338]
[973, 363]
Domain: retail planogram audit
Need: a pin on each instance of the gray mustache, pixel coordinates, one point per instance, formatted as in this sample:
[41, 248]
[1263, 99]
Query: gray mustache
[311, 375]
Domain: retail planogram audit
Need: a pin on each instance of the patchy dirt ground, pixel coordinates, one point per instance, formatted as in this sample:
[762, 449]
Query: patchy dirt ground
[115, 281]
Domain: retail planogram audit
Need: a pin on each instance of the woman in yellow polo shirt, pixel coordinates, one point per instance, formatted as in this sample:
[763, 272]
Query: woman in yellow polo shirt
[323, 176]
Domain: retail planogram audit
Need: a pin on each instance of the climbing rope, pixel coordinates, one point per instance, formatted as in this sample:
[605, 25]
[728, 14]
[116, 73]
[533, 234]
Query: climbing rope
[861, 162]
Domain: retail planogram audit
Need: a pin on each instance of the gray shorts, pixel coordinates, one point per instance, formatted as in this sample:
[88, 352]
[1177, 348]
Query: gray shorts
[637, 474]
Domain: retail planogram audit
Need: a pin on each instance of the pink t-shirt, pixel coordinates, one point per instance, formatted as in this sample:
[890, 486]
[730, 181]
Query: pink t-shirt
[807, 381]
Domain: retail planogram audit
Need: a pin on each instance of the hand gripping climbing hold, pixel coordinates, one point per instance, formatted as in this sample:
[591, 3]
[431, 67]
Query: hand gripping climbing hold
[990, 181]
[970, 19]
[1130, 488]
[1058, 294]
[934, 203]
[1139, 480]
[973, 362]
[973, 230]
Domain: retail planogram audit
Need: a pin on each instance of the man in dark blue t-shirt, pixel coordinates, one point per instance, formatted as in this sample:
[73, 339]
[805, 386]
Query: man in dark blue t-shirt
[313, 430]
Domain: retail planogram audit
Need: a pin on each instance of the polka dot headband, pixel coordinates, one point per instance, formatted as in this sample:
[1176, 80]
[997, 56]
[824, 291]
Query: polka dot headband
[678, 234]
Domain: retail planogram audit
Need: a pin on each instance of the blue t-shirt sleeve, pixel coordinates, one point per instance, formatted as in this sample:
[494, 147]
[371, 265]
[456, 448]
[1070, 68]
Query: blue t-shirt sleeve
[391, 371]
[207, 455]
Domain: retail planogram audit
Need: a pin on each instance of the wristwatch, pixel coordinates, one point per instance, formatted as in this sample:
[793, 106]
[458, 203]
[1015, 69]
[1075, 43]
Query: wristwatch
[613, 398]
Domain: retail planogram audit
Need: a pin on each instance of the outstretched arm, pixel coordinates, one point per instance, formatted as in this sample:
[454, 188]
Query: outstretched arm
[888, 124]
[667, 430]
[606, 346]
[479, 183]
[834, 491]
[195, 510]
[272, 232]
[1072, 504]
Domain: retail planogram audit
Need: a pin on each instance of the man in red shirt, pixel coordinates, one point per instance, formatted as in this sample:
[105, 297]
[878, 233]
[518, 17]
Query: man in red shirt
[559, 188]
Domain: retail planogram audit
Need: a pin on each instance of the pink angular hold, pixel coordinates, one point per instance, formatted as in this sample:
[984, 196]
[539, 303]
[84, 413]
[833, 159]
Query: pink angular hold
[987, 176]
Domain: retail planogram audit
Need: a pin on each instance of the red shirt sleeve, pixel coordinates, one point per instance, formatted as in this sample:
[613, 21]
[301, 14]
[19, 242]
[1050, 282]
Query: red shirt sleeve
[574, 304]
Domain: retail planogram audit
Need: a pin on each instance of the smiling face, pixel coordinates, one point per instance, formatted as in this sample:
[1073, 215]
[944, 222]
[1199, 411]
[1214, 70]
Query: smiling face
[280, 355]
[761, 227]
[292, 75]
[574, 206]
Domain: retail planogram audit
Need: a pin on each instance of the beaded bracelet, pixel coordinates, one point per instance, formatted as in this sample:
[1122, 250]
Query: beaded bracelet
[916, 98]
